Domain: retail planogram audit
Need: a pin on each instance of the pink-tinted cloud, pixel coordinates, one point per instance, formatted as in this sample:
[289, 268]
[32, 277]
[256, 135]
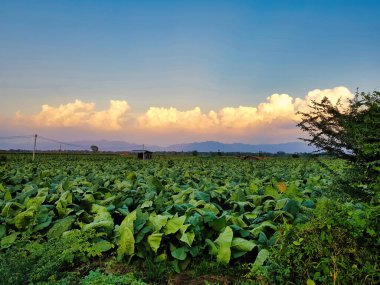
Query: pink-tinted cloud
[79, 114]
[276, 117]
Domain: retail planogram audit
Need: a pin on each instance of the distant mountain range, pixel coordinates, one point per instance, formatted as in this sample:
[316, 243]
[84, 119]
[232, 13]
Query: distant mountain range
[207, 146]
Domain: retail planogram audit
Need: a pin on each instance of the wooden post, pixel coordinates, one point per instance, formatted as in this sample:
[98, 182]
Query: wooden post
[34, 147]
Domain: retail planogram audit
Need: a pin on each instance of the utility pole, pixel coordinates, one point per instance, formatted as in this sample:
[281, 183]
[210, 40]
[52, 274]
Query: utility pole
[34, 147]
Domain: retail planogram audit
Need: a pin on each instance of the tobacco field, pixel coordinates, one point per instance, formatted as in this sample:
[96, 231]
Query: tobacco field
[107, 219]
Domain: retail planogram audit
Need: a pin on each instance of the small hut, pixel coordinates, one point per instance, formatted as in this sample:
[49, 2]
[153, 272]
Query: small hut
[143, 154]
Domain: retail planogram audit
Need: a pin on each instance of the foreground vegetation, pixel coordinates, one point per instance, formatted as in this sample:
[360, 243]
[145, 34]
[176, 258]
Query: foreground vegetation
[102, 219]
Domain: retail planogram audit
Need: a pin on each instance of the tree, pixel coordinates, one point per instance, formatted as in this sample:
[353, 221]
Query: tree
[94, 148]
[347, 130]
[351, 132]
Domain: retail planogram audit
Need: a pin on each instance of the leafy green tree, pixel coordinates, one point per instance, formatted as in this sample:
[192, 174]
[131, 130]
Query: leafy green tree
[350, 131]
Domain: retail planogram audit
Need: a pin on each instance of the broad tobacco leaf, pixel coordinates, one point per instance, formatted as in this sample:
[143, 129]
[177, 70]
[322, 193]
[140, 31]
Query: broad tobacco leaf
[24, 219]
[157, 221]
[61, 226]
[179, 253]
[224, 241]
[241, 244]
[102, 219]
[154, 241]
[174, 224]
[8, 240]
[126, 241]
[187, 238]
[266, 224]
[260, 259]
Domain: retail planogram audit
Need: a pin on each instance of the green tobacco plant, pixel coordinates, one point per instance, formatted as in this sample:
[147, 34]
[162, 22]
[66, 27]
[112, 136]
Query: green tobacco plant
[225, 211]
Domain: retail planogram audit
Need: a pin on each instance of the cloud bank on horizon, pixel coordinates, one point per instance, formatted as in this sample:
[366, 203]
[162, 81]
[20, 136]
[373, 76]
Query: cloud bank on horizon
[275, 118]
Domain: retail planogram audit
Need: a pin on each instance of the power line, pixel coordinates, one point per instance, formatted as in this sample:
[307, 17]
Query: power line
[17, 137]
[61, 142]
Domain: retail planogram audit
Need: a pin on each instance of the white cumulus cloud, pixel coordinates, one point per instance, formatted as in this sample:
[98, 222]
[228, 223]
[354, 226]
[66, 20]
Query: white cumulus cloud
[278, 107]
[277, 116]
[338, 93]
[80, 114]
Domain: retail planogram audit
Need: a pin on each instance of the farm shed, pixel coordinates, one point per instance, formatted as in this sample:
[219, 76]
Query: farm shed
[143, 154]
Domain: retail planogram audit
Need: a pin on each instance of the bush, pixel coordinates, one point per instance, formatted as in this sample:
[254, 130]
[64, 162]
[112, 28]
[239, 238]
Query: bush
[40, 261]
[98, 278]
[340, 245]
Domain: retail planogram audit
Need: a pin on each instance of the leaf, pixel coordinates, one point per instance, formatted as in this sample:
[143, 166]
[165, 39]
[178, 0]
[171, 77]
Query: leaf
[224, 241]
[161, 257]
[155, 184]
[60, 226]
[292, 207]
[310, 282]
[237, 254]
[260, 259]
[238, 196]
[141, 234]
[131, 176]
[154, 241]
[65, 200]
[157, 221]
[36, 202]
[175, 265]
[24, 219]
[174, 224]
[213, 250]
[281, 203]
[298, 242]
[102, 246]
[147, 204]
[188, 238]
[267, 224]
[202, 196]
[8, 240]
[179, 253]
[7, 196]
[102, 219]
[217, 224]
[242, 244]
[252, 189]
[126, 240]
[237, 221]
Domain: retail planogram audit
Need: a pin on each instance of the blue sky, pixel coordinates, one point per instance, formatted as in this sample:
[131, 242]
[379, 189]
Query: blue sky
[182, 54]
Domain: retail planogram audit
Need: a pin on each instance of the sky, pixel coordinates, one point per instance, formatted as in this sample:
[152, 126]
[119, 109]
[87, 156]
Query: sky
[163, 72]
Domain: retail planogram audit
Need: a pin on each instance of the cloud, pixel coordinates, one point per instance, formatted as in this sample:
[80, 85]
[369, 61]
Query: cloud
[276, 117]
[79, 114]
[277, 109]
[277, 106]
[157, 118]
[335, 94]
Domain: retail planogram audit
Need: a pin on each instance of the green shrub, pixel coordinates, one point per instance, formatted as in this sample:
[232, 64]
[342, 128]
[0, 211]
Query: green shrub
[340, 245]
[98, 278]
[40, 261]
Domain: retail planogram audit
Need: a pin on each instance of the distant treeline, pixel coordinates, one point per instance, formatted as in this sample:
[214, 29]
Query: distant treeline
[161, 153]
